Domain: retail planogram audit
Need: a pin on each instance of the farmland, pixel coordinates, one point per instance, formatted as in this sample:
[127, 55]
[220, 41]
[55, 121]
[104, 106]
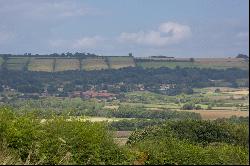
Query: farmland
[16, 63]
[63, 64]
[94, 64]
[56, 63]
[120, 62]
[62, 120]
[217, 63]
[41, 64]
[117, 109]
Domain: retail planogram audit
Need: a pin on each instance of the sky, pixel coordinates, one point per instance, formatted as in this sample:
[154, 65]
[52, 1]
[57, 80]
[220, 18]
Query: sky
[179, 28]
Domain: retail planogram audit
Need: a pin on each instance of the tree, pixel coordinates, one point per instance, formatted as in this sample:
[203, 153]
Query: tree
[217, 90]
[242, 56]
[188, 106]
[191, 59]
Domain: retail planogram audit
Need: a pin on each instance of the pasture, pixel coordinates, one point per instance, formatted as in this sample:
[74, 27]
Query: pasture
[63, 64]
[41, 64]
[121, 62]
[99, 63]
[225, 103]
[16, 63]
[216, 63]
[94, 64]
[214, 114]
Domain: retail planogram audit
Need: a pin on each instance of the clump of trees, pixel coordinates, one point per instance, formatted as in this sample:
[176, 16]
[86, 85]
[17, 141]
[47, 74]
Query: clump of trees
[192, 142]
[184, 78]
[242, 56]
[58, 140]
[25, 138]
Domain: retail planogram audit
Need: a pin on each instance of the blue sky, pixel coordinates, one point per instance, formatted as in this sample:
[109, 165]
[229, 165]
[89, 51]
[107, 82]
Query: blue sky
[180, 28]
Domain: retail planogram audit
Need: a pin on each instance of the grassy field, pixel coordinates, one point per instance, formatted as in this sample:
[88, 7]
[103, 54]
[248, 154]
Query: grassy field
[94, 64]
[159, 64]
[214, 114]
[16, 63]
[121, 62]
[217, 63]
[225, 103]
[63, 64]
[41, 64]
[222, 63]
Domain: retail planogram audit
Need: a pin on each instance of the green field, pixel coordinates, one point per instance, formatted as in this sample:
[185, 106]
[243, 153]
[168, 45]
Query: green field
[159, 64]
[41, 64]
[219, 63]
[227, 102]
[94, 64]
[15, 63]
[63, 64]
[99, 63]
[121, 62]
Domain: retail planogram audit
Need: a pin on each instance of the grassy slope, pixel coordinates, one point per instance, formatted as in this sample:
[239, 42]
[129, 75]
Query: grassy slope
[16, 63]
[120, 62]
[67, 64]
[37, 64]
[94, 64]
[222, 64]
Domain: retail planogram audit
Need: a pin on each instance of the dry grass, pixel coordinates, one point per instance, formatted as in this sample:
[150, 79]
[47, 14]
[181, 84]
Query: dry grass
[94, 64]
[67, 64]
[121, 62]
[122, 134]
[39, 64]
[8, 157]
[120, 141]
[214, 114]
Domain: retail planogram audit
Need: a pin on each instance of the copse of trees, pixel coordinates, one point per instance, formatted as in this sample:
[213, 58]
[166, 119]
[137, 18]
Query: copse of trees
[192, 142]
[242, 56]
[126, 111]
[58, 141]
[184, 78]
[27, 139]
[67, 54]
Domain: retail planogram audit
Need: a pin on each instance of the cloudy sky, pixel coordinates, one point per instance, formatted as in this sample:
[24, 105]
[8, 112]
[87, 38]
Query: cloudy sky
[180, 28]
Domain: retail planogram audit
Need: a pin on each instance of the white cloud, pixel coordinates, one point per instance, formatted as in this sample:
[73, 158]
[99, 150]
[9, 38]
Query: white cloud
[87, 42]
[82, 43]
[45, 9]
[242, 35]
[167, 33]
[6, 36]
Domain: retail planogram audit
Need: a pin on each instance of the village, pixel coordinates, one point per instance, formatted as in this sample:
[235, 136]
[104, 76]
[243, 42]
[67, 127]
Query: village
[113, 92]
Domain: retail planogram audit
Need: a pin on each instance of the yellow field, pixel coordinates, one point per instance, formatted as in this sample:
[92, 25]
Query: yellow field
[222, 62]
[216, 63]
[94, 64]
[40, 64]
[121, 62]
[67, 64]
[214, 114]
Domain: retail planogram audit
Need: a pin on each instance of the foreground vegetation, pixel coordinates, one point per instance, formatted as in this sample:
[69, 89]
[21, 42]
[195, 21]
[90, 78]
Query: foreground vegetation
[27, 139]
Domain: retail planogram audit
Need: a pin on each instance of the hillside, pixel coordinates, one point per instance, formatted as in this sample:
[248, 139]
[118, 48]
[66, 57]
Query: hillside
[59, 63]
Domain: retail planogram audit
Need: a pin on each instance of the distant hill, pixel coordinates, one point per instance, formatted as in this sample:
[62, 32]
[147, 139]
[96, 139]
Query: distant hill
[64, 62]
